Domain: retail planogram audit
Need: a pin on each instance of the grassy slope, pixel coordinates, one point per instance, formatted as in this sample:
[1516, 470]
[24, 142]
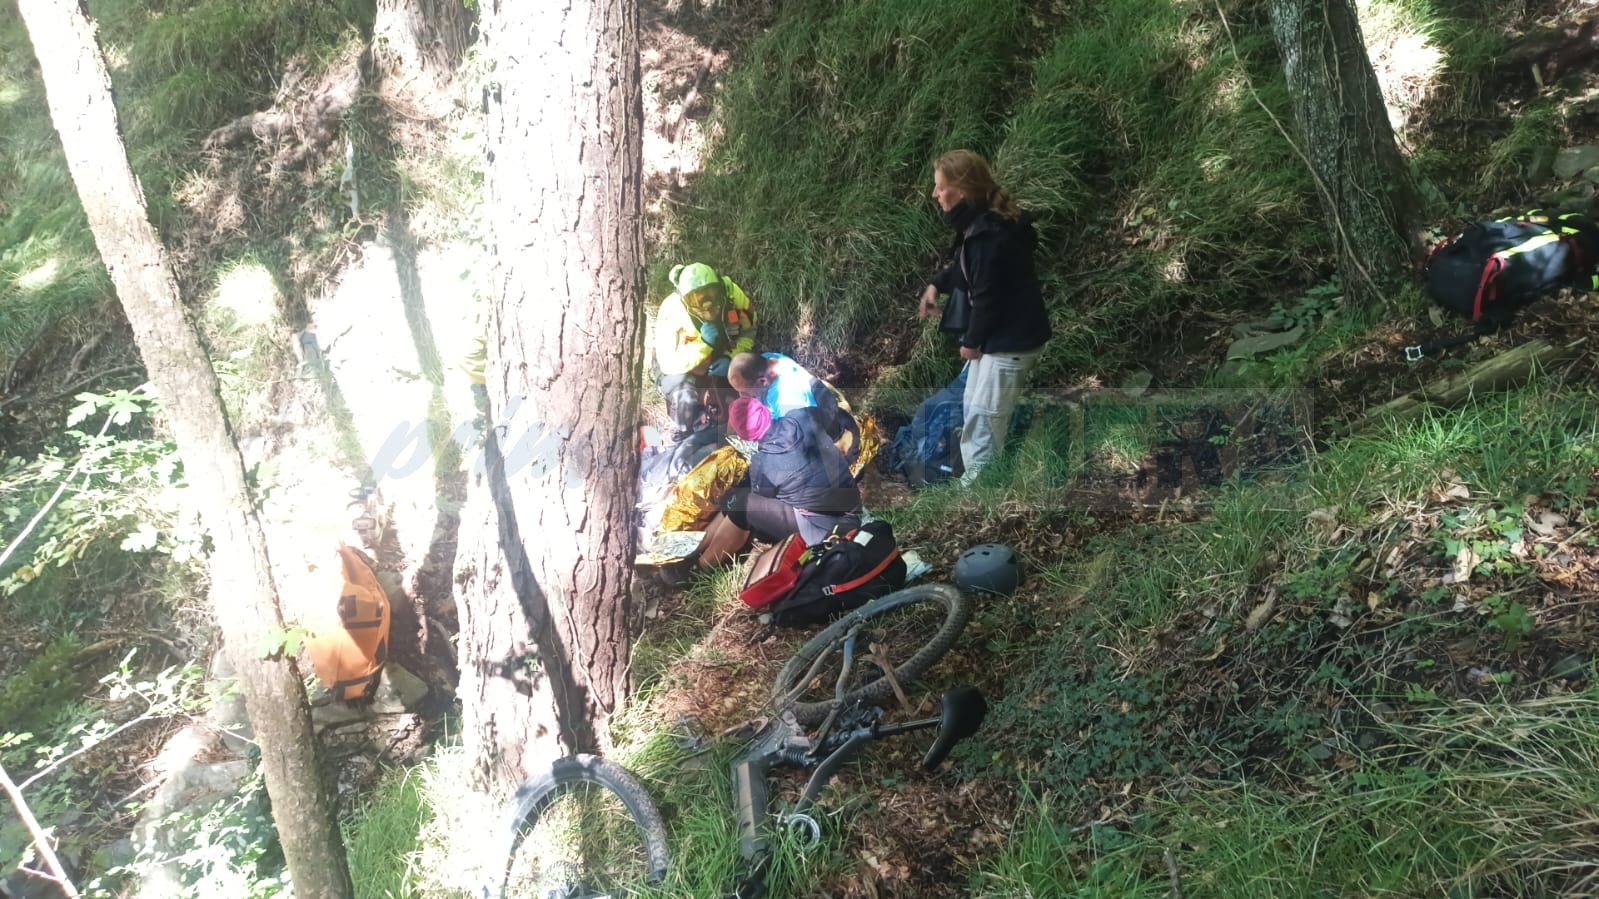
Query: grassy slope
[1131, 127]
[1288, 757]
[48, 265]
[1134, 130]
[180, 69]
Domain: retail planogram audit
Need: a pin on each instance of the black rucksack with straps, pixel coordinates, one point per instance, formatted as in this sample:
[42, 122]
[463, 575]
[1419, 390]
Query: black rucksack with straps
[1490, 271]
[847, 569]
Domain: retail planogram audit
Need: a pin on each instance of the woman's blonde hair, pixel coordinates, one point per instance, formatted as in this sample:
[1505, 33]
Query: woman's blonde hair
[969, 173]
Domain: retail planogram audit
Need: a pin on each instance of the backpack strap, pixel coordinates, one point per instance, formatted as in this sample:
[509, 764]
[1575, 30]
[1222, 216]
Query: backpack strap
[1419, 351]
[1486, 288]
[849, 585]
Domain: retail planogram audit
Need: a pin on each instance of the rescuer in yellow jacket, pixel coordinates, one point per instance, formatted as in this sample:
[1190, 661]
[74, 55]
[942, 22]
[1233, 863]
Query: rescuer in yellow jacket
[704, 323]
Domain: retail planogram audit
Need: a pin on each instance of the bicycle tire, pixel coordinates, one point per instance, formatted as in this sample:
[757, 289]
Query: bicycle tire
[537, 795]
[957, 612]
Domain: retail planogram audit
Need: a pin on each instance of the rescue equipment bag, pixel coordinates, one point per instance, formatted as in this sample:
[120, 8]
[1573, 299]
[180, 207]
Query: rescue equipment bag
[775, 572]
[847, 569]
[349, 657]
[1492, 270]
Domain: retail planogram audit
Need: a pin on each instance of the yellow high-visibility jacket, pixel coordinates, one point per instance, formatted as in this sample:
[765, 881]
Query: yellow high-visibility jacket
[679, 349]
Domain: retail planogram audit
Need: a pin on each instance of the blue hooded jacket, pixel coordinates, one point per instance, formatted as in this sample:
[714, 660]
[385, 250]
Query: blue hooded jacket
[799, 466]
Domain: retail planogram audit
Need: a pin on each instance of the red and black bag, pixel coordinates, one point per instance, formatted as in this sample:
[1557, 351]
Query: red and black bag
[843, 572]
[775, 572]
[1492, 270]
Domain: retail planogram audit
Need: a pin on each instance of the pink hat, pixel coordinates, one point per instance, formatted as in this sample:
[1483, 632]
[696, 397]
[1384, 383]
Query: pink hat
[749, 417]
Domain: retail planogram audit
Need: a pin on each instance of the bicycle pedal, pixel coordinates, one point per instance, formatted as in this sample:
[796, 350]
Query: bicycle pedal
[741, 733]
[688, 733]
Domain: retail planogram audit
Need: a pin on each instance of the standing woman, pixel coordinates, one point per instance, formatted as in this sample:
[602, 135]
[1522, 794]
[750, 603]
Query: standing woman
[995, 302]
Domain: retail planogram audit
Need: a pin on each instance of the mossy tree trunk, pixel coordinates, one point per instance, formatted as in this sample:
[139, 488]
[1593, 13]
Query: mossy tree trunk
[244, 597]
[545, 596]
[1366, 191]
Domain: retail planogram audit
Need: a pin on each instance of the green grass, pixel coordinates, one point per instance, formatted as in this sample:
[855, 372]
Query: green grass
[420, 833]
[49, 268]
[1470, 800]
[179, 70]
[666, 640]
[1538, 129]
[1124, 708]
[1133, 127]
[383, 839]
[814, 199]
[48, 685]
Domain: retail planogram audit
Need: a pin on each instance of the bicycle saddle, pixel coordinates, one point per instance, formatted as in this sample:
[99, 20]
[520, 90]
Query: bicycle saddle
[964, 710]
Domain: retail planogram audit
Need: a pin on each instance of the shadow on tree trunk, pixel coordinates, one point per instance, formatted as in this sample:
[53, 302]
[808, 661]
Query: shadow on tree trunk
[575, 733]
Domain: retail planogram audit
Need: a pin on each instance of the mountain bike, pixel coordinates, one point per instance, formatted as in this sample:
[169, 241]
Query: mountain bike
[919, 624]
[903, 633]
[588, 830]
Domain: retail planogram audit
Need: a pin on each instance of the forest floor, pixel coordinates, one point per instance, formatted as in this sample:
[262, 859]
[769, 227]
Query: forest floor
[916, 835]
[924, 835]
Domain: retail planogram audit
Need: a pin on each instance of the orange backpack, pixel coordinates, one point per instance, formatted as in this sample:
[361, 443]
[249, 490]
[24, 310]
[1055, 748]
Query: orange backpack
[348, 659]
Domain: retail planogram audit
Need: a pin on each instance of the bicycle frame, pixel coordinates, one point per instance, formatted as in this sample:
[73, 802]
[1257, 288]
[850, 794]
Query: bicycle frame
[784, 742]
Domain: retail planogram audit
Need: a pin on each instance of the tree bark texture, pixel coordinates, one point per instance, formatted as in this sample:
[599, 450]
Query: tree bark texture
[244, 598]
[419, 44]
[545, 614]
[1365, 187]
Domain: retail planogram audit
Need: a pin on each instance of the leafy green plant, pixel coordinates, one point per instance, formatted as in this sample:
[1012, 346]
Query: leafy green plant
[1490, 535]
[1315, 304]
[1419, 693]
[112, 495]
[56, 733]
[1319, 582]
[1510, 618]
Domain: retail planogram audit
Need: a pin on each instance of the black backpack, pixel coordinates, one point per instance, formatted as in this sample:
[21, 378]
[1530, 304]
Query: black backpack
[1492, 270]
[847, 569]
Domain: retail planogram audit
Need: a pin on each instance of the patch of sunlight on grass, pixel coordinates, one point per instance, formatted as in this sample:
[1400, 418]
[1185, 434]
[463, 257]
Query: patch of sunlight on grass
[40, 276]
[1215, 166]
[249, 291]
[116, 58]
[10, 92]
[1408, 61]
[1232, 91]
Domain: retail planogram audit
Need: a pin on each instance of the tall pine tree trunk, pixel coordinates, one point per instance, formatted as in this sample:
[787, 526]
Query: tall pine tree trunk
[1365, 187]
[244, 598]
[545, 597]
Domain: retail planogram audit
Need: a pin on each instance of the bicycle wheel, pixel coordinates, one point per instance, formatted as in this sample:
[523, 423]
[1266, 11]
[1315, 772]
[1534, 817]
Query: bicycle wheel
[908, 630]
[584, 830]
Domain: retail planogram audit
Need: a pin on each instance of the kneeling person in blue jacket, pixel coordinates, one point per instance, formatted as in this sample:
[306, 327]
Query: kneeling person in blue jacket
[799, 483]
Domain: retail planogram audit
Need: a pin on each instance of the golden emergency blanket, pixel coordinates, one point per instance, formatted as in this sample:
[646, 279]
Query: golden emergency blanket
[348, 652]
[870, 442]
[695, 497]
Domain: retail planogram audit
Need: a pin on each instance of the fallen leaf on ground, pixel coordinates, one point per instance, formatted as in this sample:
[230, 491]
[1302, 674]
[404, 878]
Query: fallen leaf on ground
[1546, 523]
[1262, 612]
[1465, 561]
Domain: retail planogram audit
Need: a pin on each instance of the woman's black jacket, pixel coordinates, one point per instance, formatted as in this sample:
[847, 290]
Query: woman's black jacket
[994, 263]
